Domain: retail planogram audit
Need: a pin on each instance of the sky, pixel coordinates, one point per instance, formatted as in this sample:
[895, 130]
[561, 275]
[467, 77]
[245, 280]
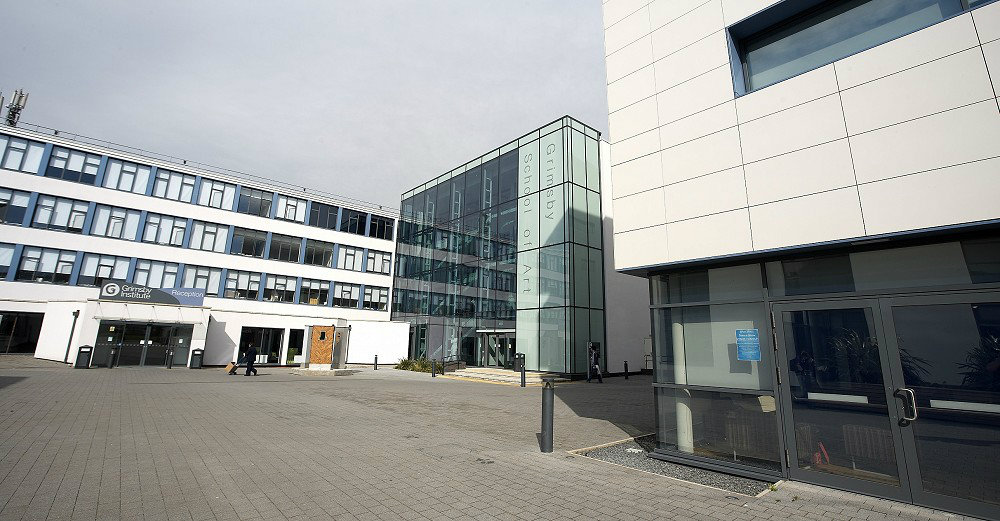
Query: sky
[362, 98]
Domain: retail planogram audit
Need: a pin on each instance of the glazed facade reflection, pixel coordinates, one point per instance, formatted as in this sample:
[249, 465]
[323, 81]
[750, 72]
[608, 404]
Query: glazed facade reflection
[503, 255]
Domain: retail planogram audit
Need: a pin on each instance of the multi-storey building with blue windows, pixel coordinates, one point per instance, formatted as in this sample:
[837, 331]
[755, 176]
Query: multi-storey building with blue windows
[270, 259]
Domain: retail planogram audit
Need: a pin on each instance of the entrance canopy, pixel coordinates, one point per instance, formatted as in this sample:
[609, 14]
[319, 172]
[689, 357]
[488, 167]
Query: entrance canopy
[105, 310]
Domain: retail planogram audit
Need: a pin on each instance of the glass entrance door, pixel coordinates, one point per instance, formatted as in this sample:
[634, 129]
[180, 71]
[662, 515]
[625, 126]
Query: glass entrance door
[133, 344]
[497, 350]
[895, 397]
[841, 420]
[949, 365]
[157, 345]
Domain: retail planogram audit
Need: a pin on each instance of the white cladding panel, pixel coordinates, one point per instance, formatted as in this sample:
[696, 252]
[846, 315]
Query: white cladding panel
[893, 139]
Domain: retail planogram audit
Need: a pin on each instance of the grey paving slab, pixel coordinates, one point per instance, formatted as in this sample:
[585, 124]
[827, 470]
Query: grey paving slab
[200, 445]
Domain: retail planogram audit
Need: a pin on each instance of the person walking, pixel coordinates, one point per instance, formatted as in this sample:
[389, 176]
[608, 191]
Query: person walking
[594, 356]
[251, 356]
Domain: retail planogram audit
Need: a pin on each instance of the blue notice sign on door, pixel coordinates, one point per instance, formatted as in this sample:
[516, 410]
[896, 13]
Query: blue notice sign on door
[748, 345]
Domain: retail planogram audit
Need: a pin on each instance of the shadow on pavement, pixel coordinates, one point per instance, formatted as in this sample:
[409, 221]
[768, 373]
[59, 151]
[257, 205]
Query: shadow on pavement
[10, 380]
[628, 404]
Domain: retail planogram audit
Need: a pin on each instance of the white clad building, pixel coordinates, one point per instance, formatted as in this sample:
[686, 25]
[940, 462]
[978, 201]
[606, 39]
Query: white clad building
[270, 260]
[812, 190]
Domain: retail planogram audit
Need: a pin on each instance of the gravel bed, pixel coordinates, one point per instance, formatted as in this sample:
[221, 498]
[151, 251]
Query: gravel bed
[632, 454]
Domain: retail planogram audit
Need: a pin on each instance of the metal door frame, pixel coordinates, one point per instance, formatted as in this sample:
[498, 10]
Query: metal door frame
[920, 496]
[893, 405]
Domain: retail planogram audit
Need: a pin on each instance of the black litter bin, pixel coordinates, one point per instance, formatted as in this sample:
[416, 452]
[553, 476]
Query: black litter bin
[197, 356]
[83, 357]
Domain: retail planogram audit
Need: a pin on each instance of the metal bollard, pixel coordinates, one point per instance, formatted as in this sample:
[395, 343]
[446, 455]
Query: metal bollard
[433, 368]
[170, 358]
[522, 373]
[376, 363]
[626, 369]
[548, 394]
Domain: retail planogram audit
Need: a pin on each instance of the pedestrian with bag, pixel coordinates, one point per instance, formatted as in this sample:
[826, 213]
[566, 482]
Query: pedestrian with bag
[251, 356]
[594, 358]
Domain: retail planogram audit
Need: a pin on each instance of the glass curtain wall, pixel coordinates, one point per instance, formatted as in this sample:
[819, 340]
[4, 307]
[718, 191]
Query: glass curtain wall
[510, 241]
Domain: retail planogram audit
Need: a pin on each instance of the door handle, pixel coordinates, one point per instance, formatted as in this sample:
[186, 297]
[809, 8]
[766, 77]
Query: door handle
[910, 405]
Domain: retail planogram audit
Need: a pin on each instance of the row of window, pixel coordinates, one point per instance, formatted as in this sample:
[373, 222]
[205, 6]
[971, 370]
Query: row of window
[56, 266]
[58, 213]
[81, 167]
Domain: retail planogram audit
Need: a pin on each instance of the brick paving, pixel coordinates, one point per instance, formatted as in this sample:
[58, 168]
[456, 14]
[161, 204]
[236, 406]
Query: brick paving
[186, 444]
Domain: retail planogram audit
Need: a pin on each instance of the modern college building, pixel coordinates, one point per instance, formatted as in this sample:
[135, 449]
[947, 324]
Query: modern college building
[506, 255]
[188, 259]
[811, 189]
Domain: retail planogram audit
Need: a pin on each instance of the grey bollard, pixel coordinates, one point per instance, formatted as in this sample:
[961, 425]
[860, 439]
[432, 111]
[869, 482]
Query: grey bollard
[522, 374]
[626, 369]
[376, 363]
[548, 394]
[433, 368]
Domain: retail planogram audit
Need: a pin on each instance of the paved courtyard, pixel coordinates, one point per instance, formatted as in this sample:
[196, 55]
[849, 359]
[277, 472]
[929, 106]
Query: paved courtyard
[198, 444]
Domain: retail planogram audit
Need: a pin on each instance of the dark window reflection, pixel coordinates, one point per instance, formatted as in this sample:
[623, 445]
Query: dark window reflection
[983, 259]
[818, 275]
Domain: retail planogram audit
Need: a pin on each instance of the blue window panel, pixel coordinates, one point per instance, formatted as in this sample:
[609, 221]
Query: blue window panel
[263, 278]
[142, 226]
[151, 180]
[15, 262]
[329, 294]
[222, 282]
[302, 251]
[368, 227]
[29, 212]
[74, 276]
[186, 243]
[229, 238]
[197, 190]
[361, 296]
[274, 205]
[340, 214]
[46, 155]
[267, 247]
[364, 257]
[236, 199]
[298, 289]
[179, 280]
[101, 171]
[89, 219]
[131, 270]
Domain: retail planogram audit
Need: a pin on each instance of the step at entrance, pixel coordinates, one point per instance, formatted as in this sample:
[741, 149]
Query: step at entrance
[492, 374]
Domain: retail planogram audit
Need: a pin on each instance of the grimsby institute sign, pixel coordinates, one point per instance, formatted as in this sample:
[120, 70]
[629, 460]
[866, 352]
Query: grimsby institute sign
[122, 292]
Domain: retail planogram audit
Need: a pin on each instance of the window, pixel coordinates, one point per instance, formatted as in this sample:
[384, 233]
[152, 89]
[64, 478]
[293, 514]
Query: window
[164, 229]
[114, 222]
[284, 248]
[346, 295]
[127, 176]
[314, 292]
[319, 253]
[323, 216]
[20, 154]
[291, 209]
[56, 213]
[353, 222]
[376, 298]
[254, 202]
[827, 33]
[6, 258]
[173, 185]
[217, 194]
[209, 236]
[379, 262]
[278, 288]
[242, 284]
[203, 277]
[13, 205]
[349, 258]
[98, 269]
[381, 227]
[248, 242]
[46, 265]
[155, 274]
[73, 165]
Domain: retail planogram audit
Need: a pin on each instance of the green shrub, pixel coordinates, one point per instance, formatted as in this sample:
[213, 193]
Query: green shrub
[421, 365]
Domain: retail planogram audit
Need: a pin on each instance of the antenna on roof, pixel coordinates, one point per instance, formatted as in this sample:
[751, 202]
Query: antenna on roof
[17, 103]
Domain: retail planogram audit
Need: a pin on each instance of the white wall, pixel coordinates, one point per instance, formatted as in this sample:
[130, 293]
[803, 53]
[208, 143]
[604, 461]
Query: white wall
[901, 137]
[388, 340]
[626, 298]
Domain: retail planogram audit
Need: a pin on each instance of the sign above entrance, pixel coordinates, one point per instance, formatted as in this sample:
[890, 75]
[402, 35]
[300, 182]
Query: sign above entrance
[122, 292]
[748, 345]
